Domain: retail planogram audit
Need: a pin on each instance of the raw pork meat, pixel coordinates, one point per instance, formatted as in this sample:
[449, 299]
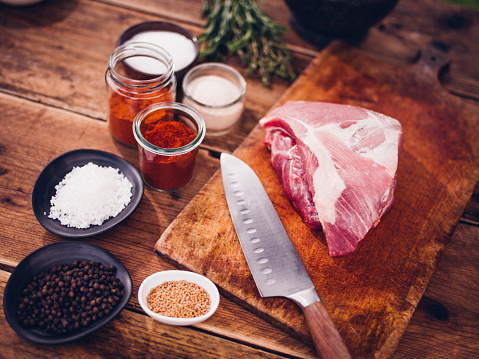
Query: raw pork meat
[337, 164]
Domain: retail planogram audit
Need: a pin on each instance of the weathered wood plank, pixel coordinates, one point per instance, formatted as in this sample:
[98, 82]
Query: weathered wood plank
[82, 34]
[396, 39]
[130, 335]
[29, 40]
[445, 322]
[388, 273]
[23, 154]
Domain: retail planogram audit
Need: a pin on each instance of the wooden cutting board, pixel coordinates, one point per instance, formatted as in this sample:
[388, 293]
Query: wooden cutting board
[372, 293]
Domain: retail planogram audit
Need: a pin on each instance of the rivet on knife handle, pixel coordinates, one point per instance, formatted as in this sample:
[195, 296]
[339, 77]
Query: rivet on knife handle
[275, 264]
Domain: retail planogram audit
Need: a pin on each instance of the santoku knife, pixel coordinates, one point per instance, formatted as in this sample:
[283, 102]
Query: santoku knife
[275, 264]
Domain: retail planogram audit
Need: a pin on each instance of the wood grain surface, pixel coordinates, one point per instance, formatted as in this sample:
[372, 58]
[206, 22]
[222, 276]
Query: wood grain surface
[53, 59]
[373, 292]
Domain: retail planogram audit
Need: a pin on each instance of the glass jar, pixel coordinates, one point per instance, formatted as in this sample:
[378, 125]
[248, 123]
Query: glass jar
[217, 92]
[138, 75]
[168, 136]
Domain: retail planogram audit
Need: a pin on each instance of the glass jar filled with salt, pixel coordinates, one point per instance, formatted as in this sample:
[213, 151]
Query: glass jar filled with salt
[216, 91]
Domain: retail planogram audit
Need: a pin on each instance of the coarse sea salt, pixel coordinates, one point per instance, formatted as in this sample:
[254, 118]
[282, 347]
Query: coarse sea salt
[89, 195]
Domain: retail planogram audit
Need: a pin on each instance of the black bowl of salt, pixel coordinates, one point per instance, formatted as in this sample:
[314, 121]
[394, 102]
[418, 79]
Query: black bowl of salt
[85, 192]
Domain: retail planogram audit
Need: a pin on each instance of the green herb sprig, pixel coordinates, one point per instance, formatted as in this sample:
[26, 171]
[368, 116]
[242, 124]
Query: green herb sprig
[240, 27]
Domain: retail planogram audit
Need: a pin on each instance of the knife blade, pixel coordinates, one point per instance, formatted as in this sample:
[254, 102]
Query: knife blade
[272, 258]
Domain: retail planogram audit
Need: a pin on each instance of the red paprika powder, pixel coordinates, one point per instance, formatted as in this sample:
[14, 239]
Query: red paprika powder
[131, 89]
[123, 109]
[168, 136]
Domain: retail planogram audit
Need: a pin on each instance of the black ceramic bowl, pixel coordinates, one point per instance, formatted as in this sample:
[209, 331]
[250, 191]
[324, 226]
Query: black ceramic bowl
[43, 260]
[172, 49]
[338, 18]
[54, 173]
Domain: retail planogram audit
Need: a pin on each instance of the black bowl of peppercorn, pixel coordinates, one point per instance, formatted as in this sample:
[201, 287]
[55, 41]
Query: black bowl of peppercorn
[65, 291]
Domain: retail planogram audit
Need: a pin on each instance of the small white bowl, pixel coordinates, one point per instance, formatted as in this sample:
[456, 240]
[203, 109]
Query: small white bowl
[158, 278]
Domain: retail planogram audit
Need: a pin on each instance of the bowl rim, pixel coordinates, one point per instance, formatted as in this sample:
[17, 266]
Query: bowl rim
[59, 167]
[158, 278]
[128, 33]
[41, 259]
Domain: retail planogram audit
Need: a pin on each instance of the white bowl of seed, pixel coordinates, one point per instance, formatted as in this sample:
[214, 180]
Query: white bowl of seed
[178, 297]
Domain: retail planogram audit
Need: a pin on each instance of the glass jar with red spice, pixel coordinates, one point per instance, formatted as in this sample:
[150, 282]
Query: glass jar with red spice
[138, 75]
[168, 135]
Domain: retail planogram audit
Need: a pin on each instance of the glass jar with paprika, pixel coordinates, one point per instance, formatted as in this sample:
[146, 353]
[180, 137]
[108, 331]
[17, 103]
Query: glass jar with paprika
[168, 136]
[138, 75]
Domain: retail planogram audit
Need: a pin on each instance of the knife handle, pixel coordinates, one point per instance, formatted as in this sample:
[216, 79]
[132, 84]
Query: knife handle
[326, 338]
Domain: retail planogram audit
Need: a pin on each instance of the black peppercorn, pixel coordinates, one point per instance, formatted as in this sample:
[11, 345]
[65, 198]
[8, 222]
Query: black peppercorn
[67, 298]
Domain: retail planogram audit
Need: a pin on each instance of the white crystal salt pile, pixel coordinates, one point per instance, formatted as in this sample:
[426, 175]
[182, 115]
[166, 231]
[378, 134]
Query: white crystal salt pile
[89, 195]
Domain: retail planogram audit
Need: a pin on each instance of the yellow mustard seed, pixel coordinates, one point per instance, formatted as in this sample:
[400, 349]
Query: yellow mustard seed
[179, 299]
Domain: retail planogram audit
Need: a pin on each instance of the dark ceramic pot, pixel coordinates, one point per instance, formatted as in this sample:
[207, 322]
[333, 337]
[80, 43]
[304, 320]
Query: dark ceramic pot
[337, 18]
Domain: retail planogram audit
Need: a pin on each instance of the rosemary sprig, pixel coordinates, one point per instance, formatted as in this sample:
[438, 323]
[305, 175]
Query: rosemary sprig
[240, 27]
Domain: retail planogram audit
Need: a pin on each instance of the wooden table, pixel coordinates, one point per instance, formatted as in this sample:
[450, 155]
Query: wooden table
[53, 99]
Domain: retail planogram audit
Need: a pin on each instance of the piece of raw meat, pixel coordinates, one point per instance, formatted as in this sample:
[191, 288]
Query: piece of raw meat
[337, 165]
